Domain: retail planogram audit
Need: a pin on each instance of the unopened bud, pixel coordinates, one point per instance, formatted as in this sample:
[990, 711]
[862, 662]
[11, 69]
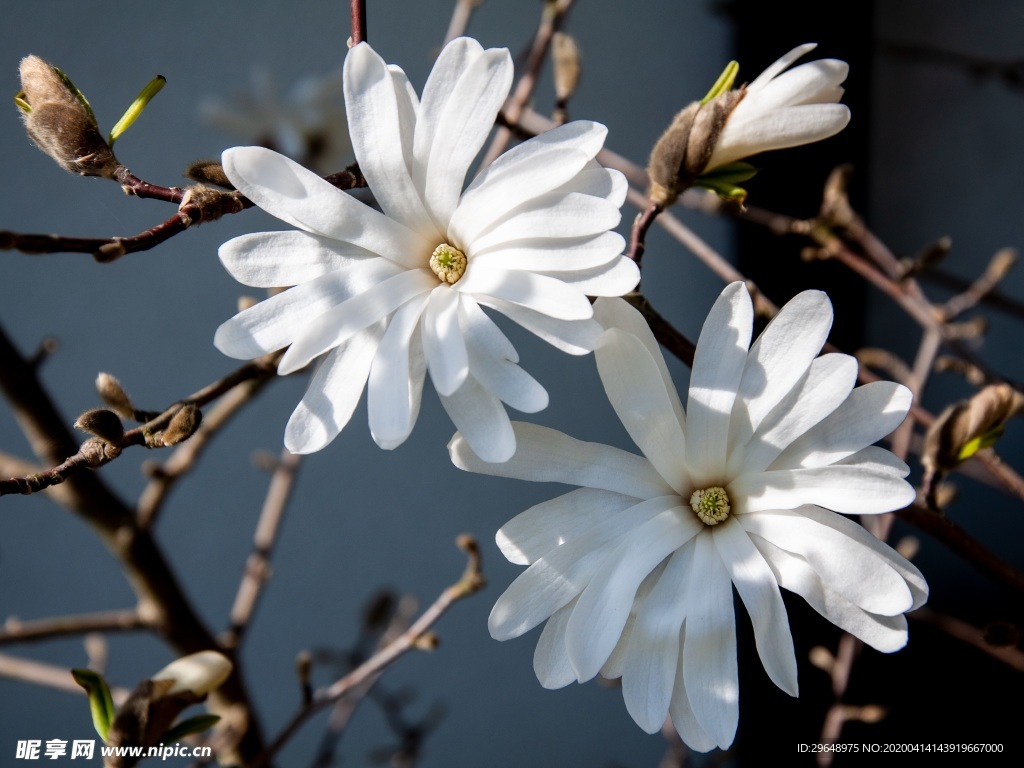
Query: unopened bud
[684, 149]
[60, 122]
[966, 427]
[183, 425]
[209, 172]
[566, 57]
[103, 424]
[198, 673]
[113, 394]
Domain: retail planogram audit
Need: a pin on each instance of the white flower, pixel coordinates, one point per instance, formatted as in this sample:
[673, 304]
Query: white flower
[308, 124]
[391, 295]
[197, 673]
[785, 109]
[634, 571]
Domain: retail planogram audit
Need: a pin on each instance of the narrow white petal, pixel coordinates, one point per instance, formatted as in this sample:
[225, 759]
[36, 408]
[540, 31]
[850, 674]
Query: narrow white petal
[546, 455]
[636, 391]
[542, 294]
[279, 320]
[482, 332]
[564, 254]
[533, 168]
[495, 372]
[616, 278]
[800, 85]
[778, 360]
[653, 652]
[846, 565]
[691, 732]
[883, 633]
[780, 64]
[481, 419]
[617, 313]
[709, 655]
[443, 345]
[277, 259]
[555, 214]
[914, 578]
[550, 659]
[333, 393]
[870, 413]
[826, 385]
[760, 594]
[285, 189]
[852, 490]
[786, 127]
[597, 622]
[396, 377]
[576, 337]
[377, 113]
[598, 181]
[538, 530]
[717, 367]
[339, 323]
[877, 459]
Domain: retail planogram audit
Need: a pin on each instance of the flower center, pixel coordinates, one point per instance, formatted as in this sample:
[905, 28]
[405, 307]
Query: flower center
[448, 263]
[711, 505]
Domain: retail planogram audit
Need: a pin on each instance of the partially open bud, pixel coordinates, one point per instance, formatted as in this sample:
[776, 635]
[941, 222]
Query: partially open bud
[105, 424]
[60, 122]
[198, 673]
[970, 425]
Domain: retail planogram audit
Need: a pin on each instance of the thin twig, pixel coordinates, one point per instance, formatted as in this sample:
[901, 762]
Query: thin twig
[961, 630]
[358, 12]
[17, 631]
[638, 236]
[47, 675]
[461, 15]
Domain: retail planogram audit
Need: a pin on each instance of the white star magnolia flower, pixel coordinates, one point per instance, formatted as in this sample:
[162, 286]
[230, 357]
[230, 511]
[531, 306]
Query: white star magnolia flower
[308, 124]
[388, 296]
[785, 109]
[634, 571]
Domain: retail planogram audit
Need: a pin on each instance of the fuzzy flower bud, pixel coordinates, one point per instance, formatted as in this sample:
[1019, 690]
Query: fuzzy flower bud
[183, 425]
[60, 122]
[103, 423]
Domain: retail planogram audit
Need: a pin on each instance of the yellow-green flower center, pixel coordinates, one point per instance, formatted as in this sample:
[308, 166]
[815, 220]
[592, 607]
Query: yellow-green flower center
[711, 505]
[448, 263]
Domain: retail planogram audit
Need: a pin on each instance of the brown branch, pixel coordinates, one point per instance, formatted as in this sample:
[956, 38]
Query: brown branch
[461, 15]
[993, 298]
[47, 675]
[358, 11]
[17, 631]
[471, 582]
[971, 635]
[257, 567]
[638, 236]
[666, 334]
[133, 185]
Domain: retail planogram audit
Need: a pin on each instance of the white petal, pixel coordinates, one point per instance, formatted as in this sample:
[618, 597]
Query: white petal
[870, 413]
[339, 323]
[596, 624]
[550, 659]
[691, 732]
[787, 127]
[843, 563]
[541, 294]
[883, 633]
[279, 320]
[538, 530]
[556, 214]
[800, 85]
[481, 420]
[288, 191]
[598, 181]
[489, 365]
[717, 367]
[709, 655]
[564, 254]
[852, 490]
[396, 377]
[276, 259]
[616, 278]
[576, 337]
[377, 113]
[533, 168]
[877, 459]
[827, 384]
[443, 345]
[636, 391]
[653, 652]
[778, 360]
[456, 115]
[333, 393]
[760, 594]
[481, 331]
[782, 63]
[558, 577]
[617, 313]
[546, 455]
[914, 579]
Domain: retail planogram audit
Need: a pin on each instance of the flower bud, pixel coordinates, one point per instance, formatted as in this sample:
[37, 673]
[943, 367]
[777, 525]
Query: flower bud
[103, 423]
[183, 425]
[966, 427]
[209, 172]
[566, 57]
[60, 122]
[113, 394]
[198, 673]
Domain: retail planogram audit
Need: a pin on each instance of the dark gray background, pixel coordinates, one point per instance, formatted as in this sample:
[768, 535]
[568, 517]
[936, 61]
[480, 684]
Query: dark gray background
[944, 159]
